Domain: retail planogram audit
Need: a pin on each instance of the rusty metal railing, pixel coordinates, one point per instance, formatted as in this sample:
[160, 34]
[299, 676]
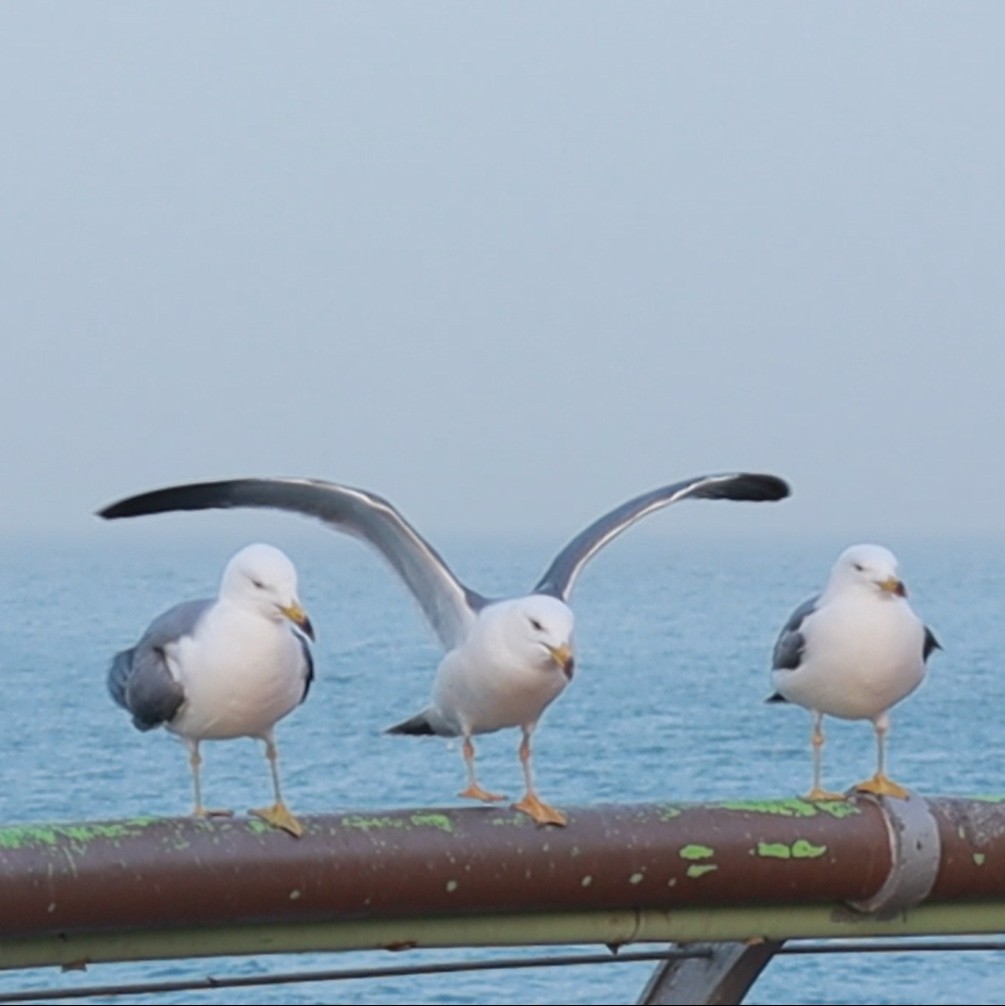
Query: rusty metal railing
[731, 881]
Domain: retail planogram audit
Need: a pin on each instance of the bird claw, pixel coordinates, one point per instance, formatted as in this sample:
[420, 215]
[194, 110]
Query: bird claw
[535, 808]
[279, 816]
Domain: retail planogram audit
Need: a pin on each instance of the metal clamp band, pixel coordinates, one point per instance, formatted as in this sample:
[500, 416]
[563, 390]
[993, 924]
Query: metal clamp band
[915, 853]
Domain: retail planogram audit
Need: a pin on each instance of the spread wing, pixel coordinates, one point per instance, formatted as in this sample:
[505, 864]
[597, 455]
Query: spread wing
[560, 576]
[449, 606]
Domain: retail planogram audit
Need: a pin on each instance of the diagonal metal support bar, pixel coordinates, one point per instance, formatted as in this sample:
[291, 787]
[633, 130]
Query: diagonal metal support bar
[721, 977]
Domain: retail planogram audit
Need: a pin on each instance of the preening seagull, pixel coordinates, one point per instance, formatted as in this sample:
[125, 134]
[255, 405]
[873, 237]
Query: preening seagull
[506, 660]
[853, 651]
[223, 668]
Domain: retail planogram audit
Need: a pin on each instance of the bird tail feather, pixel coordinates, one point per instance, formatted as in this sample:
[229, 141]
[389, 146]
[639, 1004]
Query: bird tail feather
[118, 675]
[415, 726]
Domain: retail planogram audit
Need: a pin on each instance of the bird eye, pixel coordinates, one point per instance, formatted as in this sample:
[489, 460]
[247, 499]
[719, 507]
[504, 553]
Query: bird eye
[537, 625]
[859, 567]
[258, 583]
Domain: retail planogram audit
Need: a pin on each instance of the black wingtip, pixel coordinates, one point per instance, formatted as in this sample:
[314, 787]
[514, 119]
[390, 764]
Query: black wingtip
[195, 496]
[756, 488]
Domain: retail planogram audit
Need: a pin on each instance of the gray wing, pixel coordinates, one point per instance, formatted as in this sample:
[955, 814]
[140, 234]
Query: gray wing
[308, 665]
[559, 577]
[449, 606]
[791, 643]
[931, 643]
[140, 680]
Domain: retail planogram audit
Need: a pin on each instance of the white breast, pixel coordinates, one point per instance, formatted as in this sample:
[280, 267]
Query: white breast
[241, 675]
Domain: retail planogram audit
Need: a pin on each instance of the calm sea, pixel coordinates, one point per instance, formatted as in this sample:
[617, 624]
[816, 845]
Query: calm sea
[674, 644]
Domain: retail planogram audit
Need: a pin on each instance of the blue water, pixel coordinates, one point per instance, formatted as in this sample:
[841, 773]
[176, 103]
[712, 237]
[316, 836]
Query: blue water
[674, 642]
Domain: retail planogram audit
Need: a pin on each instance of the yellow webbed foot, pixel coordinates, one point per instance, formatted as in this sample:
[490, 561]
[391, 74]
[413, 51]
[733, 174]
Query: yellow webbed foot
[882, 785]
[208, 812]
[475, 792]
[279, 816]
[817, 795]
[535, 808]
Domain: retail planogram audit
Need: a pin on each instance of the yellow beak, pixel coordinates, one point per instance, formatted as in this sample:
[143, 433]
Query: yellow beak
[563, 656]
[299, 618]
[893, 586]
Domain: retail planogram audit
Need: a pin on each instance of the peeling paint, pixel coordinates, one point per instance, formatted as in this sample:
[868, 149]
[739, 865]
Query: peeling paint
[23, 836]
[801, 848]
[377, 822]
[773, 850]
[586, 881]
[667, 812]
[979, 858]
[696, 852]
[636, 878]
[452, 886]
[440, 821]
[699, 871]
[795, 807]
[371, 823]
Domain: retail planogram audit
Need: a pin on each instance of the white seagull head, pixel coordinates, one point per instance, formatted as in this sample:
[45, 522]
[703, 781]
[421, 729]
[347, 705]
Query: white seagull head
[262, 579]
[537, 630]
[867, 567]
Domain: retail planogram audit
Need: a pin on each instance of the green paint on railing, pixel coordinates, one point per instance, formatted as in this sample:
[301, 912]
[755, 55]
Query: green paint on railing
[696, 852]
[360, 823]
[795, 807]
[440, 821]
[801, 848]
[26, 835]
[774, 850]
[694, 870]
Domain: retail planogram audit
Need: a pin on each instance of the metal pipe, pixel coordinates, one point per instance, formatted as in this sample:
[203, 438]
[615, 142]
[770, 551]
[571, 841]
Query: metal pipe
[483, 876]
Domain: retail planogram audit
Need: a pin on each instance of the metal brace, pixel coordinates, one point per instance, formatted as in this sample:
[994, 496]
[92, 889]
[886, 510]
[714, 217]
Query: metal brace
[915, 853]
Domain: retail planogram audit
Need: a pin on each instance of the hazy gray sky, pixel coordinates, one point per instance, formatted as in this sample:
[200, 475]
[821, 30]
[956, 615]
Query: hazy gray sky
[507, 264]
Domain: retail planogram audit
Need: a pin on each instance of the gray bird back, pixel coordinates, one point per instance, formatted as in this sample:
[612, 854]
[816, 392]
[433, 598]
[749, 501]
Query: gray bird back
[789, 647]
[139, 679]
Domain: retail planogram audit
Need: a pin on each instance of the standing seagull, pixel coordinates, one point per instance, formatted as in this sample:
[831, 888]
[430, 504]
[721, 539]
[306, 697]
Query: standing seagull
[230, 667]
[506, 660]
[853, 651]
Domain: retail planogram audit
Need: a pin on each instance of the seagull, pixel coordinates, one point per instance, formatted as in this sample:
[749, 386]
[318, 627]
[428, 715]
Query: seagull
[223, 668]
[854, 651]
[506, 660]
